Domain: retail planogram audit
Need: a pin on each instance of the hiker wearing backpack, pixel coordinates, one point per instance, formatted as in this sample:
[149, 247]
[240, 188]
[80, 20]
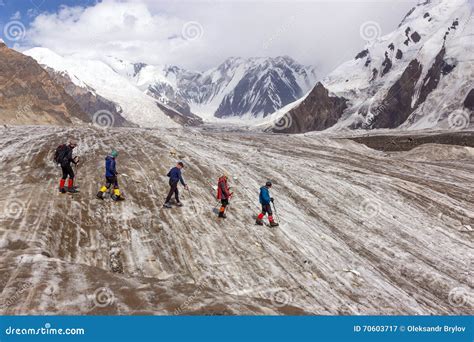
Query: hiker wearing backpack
[265, 201]
[223, 194]
[64, 158]
[111, 178]
[175, 177]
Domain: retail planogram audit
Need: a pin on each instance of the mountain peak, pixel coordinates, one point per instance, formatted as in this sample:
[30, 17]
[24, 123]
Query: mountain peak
[287, 59]
[261, 59]
[415, 77]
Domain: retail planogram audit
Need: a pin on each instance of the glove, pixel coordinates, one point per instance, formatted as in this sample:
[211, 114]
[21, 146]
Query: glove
[271, 199]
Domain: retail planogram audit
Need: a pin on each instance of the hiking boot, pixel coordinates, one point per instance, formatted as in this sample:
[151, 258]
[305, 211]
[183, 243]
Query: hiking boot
[117, 198]
[179, 204]
[259, 222]
[167, 205]
[222, 215]
[100, 195]
[62, 190]
[72, 191]
[273, 224]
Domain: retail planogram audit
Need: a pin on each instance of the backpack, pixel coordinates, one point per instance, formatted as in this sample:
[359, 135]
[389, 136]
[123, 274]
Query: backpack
[219, 189]
[60, 153]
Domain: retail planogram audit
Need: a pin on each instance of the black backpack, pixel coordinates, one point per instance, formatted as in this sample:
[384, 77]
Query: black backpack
[60, 154]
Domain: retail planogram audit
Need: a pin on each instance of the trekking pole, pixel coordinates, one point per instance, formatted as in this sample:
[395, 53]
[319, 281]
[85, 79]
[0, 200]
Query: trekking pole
[276, 213]
[76, 168]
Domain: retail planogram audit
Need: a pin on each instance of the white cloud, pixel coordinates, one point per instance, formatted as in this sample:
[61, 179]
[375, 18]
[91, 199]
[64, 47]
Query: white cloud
[32, 12]
[313, 32]
[16, 16]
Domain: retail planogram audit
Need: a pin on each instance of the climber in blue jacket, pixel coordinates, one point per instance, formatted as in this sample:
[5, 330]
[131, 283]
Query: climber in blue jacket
[265, 201]
[111, 178]
[175, 177]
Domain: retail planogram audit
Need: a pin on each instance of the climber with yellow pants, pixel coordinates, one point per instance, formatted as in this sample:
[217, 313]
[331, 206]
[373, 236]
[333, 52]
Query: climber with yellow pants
[111, 178]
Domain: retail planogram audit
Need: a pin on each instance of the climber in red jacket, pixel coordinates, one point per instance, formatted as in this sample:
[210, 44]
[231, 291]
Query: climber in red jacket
[223, 194]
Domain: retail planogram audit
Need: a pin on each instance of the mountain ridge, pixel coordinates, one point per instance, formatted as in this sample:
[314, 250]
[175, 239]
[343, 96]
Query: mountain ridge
[238, 87]
[416, 77]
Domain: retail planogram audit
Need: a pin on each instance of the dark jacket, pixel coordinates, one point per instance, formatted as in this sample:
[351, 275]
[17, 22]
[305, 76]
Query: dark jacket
[67, 157]
[264, 195]
[110, 167]
[175, 176]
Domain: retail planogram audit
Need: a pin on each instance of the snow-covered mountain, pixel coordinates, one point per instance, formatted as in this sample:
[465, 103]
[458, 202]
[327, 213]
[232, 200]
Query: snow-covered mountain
[237, 88]
[419, 76]
[100, 78]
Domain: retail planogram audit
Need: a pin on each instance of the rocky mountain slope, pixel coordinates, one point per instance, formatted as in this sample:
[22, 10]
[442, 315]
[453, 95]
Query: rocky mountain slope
[419, 76]
[28, 95]
[362, 232]
[238, 88]
[318, 111]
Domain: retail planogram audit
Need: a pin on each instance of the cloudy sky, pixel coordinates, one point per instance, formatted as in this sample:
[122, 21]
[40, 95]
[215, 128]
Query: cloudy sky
[199, 34]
